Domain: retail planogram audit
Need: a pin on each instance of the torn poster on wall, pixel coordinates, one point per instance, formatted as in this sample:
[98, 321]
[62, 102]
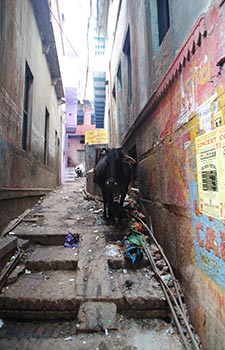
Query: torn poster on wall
[210, 152]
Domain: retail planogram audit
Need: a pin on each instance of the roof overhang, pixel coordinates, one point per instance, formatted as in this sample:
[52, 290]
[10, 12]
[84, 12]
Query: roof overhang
[43, 19]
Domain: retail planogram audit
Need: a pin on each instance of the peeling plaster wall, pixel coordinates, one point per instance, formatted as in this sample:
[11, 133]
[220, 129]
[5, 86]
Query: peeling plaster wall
[20, 42]
[148, 65]
[189, 106]
[185, 99]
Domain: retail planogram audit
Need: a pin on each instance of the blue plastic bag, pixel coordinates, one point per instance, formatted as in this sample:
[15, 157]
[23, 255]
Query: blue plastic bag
[72, 240]
[133, 253]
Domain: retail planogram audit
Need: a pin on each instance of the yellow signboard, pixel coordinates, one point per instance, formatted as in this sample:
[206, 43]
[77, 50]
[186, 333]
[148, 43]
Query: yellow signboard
[210, 149]
[96, 136]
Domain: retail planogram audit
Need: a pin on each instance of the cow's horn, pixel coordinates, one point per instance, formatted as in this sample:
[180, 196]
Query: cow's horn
[129, 159]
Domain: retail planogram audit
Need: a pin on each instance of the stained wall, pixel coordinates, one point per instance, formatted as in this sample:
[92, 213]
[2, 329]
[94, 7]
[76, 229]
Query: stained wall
[176, 122]
[25, 173]
[190, 103]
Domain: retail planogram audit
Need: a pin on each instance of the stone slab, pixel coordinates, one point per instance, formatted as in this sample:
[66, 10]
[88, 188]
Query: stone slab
[39, 236]
[7, 244]
[93, 279]
[139, 290]
[53, 258]
[41, 293]
[97, 316]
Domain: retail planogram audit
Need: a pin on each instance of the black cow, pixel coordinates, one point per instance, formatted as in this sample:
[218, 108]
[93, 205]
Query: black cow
[112, 174]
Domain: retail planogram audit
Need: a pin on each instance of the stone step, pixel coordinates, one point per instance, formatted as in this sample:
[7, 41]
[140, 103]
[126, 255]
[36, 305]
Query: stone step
[59, 294]
[52, 258]
[70, 170]
[70, 175]
[131, 334]
[39, 236]
[39, 296]
[8, 246]
[69, 179]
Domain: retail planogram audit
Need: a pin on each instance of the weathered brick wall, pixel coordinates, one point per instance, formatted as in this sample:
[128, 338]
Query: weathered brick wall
[20, 43]
[188, 101]
[191, 103]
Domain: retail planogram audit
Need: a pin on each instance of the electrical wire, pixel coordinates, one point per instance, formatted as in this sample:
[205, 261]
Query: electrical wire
[62, 31]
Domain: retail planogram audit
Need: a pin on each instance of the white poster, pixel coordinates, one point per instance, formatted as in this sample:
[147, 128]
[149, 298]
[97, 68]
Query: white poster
[210, 150]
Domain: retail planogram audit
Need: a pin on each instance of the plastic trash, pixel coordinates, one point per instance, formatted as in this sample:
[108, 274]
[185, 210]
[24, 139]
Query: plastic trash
[137, 226]
[68, 338]
[128, 284]
[113, 250]
[134, 238]
[133, 253]
[72, 240]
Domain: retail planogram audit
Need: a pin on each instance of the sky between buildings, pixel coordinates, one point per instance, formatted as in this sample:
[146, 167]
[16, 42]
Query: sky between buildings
[78, 24]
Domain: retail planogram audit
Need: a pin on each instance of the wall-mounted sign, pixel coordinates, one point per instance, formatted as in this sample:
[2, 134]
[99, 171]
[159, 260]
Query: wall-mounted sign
[96, 136]
[210, 149]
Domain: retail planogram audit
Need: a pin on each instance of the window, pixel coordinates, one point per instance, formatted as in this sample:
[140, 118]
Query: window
[114, 92]
[127, 52]
[160, 22]
[163, 18]
[120, 100]
[46, 137]
[27, 109]
[92, 119]
[119, 77]
[82, 140]
[80, 117]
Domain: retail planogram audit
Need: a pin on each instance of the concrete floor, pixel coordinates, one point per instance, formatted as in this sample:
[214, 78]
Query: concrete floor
[79, 298]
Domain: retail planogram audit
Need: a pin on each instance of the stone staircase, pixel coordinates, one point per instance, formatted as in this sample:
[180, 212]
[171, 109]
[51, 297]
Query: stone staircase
[70, 174]
[83, 283]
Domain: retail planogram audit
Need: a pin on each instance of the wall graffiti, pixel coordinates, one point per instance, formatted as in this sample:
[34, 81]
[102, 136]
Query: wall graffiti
[192, 110]
[189, 89]
[209, 240]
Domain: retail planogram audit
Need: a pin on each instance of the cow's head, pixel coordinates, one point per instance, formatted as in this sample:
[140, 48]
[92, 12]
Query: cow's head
[115, 160]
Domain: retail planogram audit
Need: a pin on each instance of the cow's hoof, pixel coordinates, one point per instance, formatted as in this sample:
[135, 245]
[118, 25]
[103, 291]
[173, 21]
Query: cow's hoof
[111, 222]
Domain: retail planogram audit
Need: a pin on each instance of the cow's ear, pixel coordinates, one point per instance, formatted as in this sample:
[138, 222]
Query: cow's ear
[129, 159]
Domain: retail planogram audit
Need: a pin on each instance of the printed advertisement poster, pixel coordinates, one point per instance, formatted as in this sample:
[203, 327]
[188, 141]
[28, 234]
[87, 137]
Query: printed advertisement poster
[96, 136]
[221, 151]
[210, 149]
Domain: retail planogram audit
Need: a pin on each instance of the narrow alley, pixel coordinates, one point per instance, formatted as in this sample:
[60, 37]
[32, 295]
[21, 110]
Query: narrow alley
[85, 295]
[106, 101]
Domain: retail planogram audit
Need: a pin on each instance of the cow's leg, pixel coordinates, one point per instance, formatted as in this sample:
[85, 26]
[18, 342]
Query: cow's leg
[120, 209]
[111, 210]
[105, 200]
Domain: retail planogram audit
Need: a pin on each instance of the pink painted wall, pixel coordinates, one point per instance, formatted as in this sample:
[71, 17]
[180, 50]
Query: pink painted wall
[74, 151]
[76, 138]
[189, 102]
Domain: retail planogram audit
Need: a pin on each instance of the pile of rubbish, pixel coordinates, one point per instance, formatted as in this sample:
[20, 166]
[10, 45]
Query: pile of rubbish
[140, 242]
[133, 245]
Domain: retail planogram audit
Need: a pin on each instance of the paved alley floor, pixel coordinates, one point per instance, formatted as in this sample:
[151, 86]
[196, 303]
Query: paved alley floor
[84, 296]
